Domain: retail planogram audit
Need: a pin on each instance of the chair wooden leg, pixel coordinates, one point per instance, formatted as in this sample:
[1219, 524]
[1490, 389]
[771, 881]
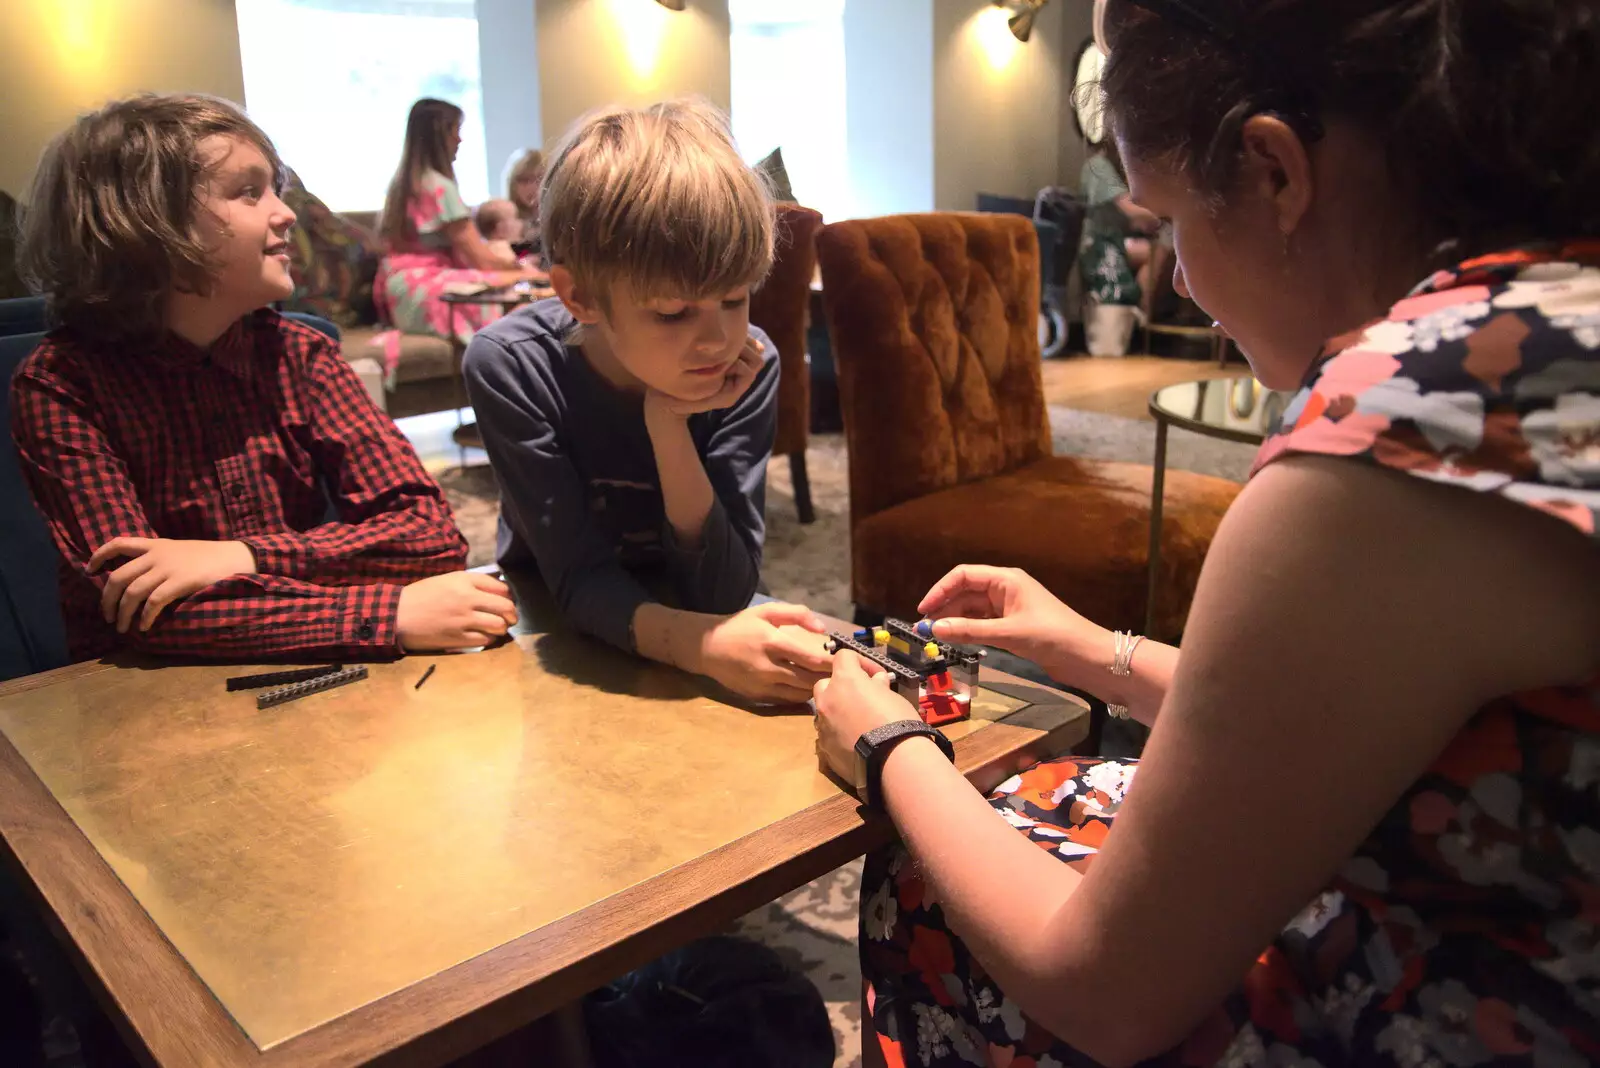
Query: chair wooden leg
[802, 487]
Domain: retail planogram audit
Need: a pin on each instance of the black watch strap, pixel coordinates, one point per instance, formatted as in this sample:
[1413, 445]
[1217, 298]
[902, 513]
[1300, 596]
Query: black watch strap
[874, 747]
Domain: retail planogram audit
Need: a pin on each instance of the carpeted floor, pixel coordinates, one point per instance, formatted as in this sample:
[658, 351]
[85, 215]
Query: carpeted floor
[815, 926]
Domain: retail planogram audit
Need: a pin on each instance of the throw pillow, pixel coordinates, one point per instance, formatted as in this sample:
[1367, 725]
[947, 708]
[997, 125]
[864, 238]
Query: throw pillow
[772, 166]
[332, 260]
[10, 216]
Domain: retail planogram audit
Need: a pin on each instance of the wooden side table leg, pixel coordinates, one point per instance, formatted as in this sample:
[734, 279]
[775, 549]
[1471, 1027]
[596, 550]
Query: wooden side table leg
[1158, 485]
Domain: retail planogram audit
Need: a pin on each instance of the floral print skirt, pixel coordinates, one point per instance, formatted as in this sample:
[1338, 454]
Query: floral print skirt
[931, 1003]
[412, 287]
[1338, 987]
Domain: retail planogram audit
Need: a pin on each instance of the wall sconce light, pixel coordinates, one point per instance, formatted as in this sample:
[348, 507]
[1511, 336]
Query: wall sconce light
[1021, 22]
[673, 5]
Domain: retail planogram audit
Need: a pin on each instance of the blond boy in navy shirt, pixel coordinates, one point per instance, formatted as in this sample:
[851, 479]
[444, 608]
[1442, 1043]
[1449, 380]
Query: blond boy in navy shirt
[630, 418]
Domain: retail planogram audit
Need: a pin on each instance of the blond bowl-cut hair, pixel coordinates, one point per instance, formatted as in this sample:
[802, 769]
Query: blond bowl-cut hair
[110, 226]
[656, 198]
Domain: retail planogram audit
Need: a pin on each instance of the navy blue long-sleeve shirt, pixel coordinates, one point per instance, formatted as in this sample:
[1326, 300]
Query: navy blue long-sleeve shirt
[580, 496]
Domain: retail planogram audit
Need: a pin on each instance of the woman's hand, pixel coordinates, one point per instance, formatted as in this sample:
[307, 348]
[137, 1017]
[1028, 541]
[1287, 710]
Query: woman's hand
[854, 701]
[1007, 608]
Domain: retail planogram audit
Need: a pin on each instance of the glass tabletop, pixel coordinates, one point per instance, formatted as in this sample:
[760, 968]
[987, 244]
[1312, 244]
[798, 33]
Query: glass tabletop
[1237, 409]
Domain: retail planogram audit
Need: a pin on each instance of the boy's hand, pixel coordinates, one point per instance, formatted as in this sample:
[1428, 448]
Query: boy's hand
[461, 610]
[769, 652]
[734, 383]
[161, 571]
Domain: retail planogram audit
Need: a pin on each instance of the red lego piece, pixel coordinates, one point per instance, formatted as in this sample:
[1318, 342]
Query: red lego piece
[937, 709]
[940, 683]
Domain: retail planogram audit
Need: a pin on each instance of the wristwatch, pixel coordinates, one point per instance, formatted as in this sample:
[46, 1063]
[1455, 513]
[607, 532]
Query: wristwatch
[874, 747]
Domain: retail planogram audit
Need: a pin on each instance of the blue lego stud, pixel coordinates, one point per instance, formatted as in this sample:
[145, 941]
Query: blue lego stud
[925, 628]
[864, 635]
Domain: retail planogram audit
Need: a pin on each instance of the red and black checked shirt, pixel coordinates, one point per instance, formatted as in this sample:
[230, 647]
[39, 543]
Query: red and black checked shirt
[249, 442]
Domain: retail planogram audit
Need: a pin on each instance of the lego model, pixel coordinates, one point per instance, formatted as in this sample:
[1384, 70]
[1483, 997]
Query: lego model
[937, 680]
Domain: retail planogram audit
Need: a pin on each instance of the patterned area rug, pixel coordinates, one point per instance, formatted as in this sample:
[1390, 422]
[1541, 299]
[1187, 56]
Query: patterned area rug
[814, 927]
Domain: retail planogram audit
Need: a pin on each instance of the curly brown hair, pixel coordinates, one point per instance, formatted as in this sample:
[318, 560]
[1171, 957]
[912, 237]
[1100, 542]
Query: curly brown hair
[109, 229]
[1484, 108]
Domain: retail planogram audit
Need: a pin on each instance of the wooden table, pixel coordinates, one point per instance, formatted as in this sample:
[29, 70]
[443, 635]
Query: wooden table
[382, 871]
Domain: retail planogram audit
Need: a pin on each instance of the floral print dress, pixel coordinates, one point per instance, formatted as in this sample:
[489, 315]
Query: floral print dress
[1464, 930]
[411, 279]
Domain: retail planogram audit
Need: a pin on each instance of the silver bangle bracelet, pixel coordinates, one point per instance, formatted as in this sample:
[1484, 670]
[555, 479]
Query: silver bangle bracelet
[1122, 650]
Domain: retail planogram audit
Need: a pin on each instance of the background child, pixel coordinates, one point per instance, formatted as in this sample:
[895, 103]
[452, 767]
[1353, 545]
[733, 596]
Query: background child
[498, 223]
[524, 177]
[630, 419]
[184, 443]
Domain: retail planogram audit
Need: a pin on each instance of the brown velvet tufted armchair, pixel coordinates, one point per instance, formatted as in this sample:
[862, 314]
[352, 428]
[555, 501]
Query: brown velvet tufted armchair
[933, 322]
[782, 307]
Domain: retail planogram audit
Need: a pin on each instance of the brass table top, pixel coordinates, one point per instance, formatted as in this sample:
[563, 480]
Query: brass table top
[315, 857]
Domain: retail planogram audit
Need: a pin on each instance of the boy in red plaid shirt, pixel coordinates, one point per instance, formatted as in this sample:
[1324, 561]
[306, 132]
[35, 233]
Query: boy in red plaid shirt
[183, 441]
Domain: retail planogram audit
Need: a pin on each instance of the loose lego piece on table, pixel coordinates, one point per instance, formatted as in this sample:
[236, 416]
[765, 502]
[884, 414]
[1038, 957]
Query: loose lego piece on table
[279, 678]
[297, 690]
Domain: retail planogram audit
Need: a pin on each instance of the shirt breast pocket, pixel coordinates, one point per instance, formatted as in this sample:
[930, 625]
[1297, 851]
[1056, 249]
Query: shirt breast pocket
[238, 482]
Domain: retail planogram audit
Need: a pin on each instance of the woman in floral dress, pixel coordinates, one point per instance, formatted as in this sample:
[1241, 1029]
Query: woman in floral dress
[1365, 829]
[432, 244]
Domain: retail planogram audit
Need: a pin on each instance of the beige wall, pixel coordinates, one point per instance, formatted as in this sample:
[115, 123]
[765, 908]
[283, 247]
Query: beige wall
[64, 57]
[594, 52]
[997, 103]
[1077, 24]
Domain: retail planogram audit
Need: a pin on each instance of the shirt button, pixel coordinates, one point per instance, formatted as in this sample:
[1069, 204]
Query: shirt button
[366, 630]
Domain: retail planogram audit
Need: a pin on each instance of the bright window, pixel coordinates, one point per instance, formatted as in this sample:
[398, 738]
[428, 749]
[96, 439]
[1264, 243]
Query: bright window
[788, 88]
[331, 82]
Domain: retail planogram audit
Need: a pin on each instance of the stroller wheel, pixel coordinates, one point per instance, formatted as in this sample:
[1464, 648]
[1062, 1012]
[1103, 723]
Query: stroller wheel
[1052, 331]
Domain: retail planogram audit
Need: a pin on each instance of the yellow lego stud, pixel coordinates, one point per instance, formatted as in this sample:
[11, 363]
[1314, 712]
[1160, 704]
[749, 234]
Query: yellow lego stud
[931, 650]
[880, 636]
